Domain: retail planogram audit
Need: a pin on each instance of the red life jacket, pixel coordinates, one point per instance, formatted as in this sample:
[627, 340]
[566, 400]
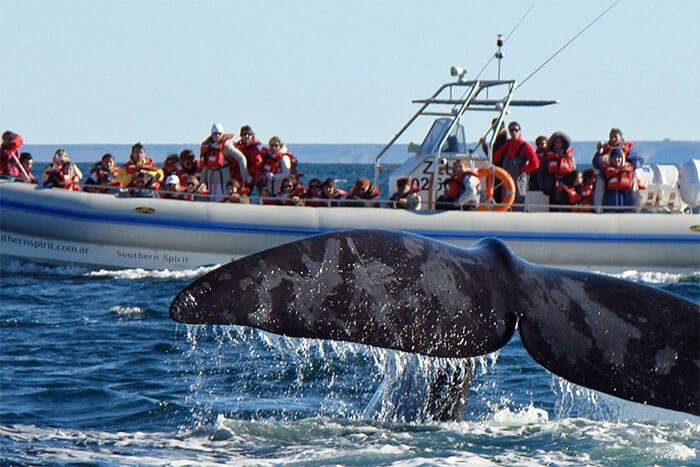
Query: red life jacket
[455, 183]
[8, 152]
[272, 162]
[212, 155]
[560, 164]
[607, 149]
[132, 167]
[621, 179]
[254, 157]
[70, 183]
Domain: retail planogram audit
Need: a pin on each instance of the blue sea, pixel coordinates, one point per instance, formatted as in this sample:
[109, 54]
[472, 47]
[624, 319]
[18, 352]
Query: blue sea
[95, 373]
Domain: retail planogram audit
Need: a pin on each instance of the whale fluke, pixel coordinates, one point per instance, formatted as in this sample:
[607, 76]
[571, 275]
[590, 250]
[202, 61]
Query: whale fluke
[407, 292]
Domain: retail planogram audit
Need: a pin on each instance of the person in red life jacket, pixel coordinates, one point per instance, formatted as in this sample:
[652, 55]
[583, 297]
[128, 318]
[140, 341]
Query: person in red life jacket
[601, 159]
[139, 163]
[569, 190]
[60, 157]
[559, 161]
[519, 159]
[27, 162]
[537, 180]
[291, 192]
[103, 176]
[620, 182]
[188, 165]
[314, 193]
[236, 194]
[249, 145]
[221, 161]
[579, 188]
[171, 188]
[192, 187]
[9, 154]
[363, 194]
[170, 165]
[65, 178]
[405, 196]
[278, 164]
[331, 194]
[462, 190]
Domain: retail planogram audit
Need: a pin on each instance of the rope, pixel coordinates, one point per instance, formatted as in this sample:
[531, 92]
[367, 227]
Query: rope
[566, 44]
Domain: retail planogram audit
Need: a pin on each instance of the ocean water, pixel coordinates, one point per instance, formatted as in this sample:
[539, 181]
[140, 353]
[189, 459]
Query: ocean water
[95, 373]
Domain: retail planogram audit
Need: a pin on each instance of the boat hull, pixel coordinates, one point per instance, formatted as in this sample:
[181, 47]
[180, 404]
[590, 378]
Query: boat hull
[98, 230]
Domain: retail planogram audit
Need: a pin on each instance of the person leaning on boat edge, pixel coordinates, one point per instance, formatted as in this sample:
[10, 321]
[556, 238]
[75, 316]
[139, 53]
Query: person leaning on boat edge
[462, 190]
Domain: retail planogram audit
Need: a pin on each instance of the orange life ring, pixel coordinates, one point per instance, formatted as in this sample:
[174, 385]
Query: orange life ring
[502, 178]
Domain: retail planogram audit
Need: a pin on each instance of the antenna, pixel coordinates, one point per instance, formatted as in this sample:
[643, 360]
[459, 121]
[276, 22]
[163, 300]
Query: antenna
[499, 52]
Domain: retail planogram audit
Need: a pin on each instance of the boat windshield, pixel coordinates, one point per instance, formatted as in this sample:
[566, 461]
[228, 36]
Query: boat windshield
[455, 142]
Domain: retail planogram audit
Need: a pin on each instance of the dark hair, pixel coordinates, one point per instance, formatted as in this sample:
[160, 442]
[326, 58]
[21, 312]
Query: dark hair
[172, 157]
[590, 173]
[315, 181]
[401, 183]
[107, 156]
[25, 156]
[136, 146]
[570, 178]
[246, 129]
[187, 154]
[514, 123]
[329, 182]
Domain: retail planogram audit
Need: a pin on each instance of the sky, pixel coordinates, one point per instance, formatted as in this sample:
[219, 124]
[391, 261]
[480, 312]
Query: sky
[338, 71]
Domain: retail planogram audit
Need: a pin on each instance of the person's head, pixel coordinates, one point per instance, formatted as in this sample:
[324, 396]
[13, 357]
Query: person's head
[247, 134]
[217, 131]
[187, 158]
[233, 187]
[328, 186]
[191, 184]
[401, 184]
[68, 169]
[170, 163]
[141, 180]
[573, 178]
[314, 185]
[617, 157]
[172, 183]
[8, 136]
[616, 138]
[363, 185]
[138, 153]
[541, 143]
[287, 185]
[460, 166]
[275, 144]
[60, 157]
[514, 130]
[590, 175]
[26, 160]
[108, 162]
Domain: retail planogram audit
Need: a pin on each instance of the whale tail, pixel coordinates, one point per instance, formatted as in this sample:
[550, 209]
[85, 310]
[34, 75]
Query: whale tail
[410, 293]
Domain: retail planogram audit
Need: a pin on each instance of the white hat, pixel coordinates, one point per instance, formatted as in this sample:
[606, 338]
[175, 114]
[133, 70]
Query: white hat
[172, 180]
[217, 128]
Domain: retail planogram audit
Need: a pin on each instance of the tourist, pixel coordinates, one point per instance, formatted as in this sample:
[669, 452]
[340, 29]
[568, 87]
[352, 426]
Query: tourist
[601, 158]
[331, 194]
[462, 190]
[291, 192]
[518, 158]
[188, 165]
[65, 178]
[249, 145]
[559, 161]
[314, 193]
[27, 162]
[236, 194]
[405, 196]
[103, 176]
[9, 154]
[278, 164]
[620, 183]
[171, 188]
[363, 194]
[221, 161]
[536, 181]
[170, 165]
[140, 163]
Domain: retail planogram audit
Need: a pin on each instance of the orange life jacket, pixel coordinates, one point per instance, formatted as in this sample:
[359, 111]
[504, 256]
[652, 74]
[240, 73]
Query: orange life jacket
[70, 183]
[132, 167]
[212, 154]
[621, 179]
[560, 164]
[454, 184]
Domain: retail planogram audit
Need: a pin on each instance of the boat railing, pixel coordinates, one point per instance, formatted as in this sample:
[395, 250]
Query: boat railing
[374, 203]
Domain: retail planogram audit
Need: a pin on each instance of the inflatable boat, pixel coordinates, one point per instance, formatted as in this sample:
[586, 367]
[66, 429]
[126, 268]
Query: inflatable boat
[112, 231]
